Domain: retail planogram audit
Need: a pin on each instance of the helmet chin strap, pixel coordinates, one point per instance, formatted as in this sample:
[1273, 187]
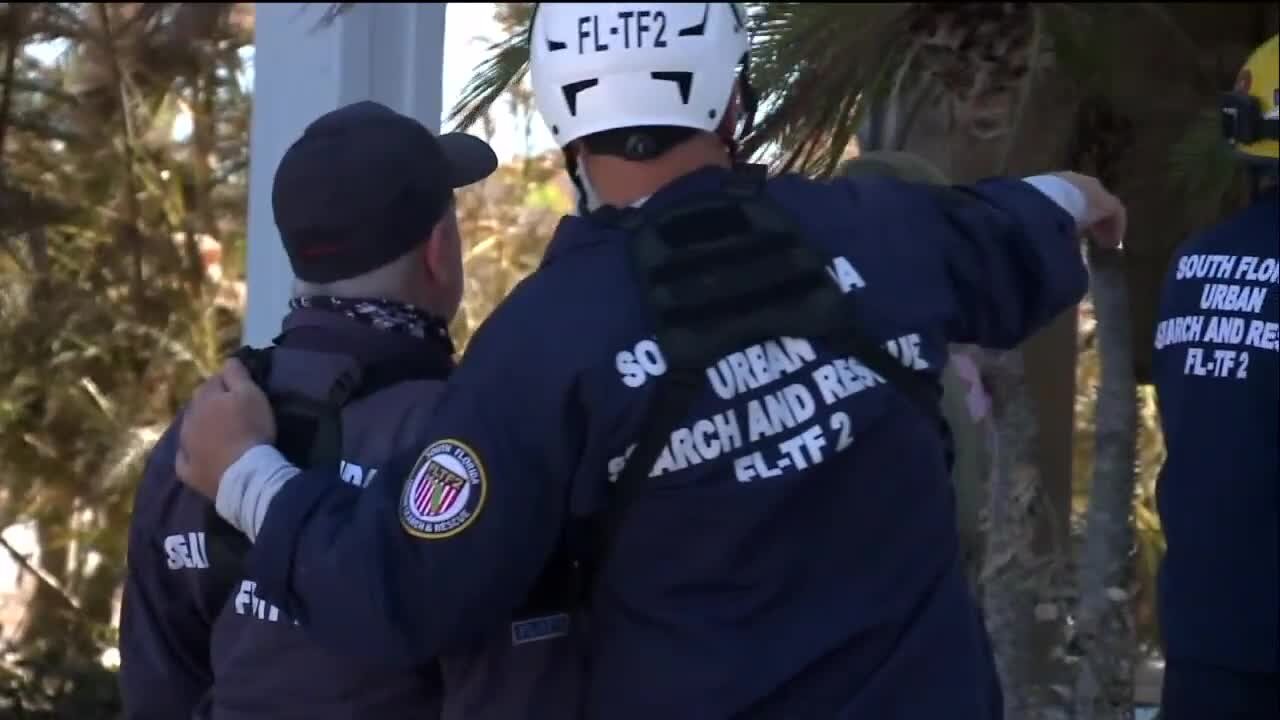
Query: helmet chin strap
[588, 201]
[750, 102]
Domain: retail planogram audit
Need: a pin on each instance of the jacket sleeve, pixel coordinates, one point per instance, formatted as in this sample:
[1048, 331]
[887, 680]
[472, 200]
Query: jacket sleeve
[1012, 256]
[164, 632]
[1016, 263]
[442, 551]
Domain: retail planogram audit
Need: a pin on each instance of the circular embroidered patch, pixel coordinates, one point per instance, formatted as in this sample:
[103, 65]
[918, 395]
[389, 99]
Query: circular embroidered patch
[444, 493]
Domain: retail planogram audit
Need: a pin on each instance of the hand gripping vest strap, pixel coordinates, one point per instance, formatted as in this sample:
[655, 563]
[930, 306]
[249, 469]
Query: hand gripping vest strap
[308, 434]
[720, 272]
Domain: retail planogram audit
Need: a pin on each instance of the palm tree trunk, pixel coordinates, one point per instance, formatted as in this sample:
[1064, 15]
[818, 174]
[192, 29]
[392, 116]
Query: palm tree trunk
[1105, 632]
[1031, 387]
[1104, 621]
[1010, 570]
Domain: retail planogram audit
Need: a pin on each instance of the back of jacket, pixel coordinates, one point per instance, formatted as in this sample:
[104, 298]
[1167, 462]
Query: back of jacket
[1217, 376]
[180, 630]
[795, 552]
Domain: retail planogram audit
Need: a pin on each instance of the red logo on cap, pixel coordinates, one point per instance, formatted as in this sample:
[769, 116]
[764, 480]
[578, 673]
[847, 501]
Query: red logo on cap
[315, 250]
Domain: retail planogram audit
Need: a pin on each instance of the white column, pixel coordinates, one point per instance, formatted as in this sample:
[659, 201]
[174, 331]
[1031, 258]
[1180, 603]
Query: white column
[389, 52]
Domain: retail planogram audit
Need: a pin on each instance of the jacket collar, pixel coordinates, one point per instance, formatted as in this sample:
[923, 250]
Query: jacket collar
[576, 232]
[327, 331]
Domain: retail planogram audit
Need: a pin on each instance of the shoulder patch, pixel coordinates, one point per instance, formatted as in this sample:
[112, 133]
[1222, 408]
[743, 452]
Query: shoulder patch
[444, 493]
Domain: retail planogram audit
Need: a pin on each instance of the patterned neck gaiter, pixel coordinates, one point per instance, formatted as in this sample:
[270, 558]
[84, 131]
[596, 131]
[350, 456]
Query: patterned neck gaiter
[380, 314]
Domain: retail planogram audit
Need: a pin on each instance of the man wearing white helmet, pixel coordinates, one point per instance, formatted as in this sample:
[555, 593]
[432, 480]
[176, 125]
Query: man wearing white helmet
[713, 407]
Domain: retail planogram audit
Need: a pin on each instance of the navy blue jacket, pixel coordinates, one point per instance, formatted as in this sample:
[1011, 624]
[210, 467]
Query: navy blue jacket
[796, 553]
[189, 648]
[1217, 375]
[165, 616]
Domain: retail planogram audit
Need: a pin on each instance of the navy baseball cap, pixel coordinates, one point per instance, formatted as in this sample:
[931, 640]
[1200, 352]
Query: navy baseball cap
[365, 185]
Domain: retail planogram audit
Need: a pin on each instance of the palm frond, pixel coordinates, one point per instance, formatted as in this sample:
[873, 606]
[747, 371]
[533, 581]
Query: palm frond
[514, 18]
[817, 67]
[506, 66]
[331, 13]
[502, 73]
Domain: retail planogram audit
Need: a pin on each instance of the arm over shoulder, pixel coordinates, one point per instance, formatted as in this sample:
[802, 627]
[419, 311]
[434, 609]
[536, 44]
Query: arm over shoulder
[449, 544]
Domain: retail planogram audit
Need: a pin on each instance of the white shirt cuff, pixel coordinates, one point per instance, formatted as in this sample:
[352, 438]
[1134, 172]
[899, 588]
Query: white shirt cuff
[1067, 196]
[248, 486]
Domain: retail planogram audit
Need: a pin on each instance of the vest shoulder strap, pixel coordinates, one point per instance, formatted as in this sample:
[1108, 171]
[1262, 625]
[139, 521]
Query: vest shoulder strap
[725, 271]
[308, 434]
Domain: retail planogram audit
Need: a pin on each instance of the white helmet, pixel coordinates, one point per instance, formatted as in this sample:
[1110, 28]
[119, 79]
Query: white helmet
[602, 66]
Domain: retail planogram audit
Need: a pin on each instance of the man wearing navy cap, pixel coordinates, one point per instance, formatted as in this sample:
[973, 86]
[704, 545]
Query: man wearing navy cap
[364, 205]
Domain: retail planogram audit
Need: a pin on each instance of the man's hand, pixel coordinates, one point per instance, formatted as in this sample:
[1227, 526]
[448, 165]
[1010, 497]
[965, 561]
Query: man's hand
[227, 416]
[1105, 216]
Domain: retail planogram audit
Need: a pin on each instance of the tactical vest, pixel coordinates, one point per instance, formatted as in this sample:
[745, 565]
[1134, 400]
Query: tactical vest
[308, 434]
[700, 262]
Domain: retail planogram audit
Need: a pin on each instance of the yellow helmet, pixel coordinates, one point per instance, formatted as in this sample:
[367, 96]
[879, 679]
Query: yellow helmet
[1251, 112]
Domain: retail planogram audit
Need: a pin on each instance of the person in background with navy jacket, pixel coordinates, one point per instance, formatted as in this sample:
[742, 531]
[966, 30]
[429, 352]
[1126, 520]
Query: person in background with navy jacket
[1217, 378]
[793, 553]
[364, 205]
